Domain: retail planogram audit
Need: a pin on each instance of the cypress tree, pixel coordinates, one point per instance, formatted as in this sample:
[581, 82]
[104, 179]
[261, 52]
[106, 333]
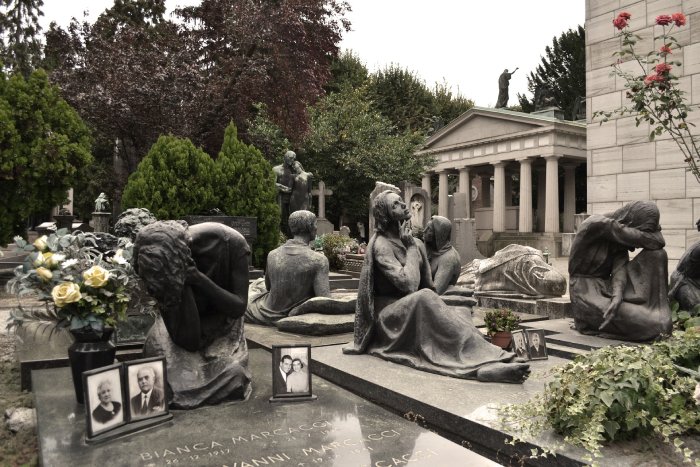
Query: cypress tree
[246, 187]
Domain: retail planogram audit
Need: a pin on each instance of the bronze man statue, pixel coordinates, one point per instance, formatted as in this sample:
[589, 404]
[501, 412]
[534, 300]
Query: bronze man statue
[503, 82]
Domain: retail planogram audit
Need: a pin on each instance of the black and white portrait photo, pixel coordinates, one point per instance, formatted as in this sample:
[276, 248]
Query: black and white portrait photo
[520, 344]
[537, 348]
[146, 386]
[104, 399]
[290, 371]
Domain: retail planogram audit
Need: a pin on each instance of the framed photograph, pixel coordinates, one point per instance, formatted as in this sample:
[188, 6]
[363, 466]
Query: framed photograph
[536, 345]
[519, 344]
[104, 399]
[291, 372]
[145, 385]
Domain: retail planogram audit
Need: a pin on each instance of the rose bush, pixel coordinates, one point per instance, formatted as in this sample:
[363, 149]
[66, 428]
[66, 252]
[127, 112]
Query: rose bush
[655, 97]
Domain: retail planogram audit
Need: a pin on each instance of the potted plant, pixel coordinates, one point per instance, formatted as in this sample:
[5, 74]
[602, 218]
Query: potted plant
[499, 325]
[82, 289]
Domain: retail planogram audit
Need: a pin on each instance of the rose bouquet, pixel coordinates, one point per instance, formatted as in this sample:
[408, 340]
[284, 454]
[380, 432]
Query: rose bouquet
[81, 287]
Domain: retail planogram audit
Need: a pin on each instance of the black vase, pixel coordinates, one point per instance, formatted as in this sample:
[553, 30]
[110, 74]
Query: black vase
[91, 349]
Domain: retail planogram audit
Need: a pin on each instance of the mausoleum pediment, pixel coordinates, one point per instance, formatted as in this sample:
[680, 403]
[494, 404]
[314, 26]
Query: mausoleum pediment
[482, 124]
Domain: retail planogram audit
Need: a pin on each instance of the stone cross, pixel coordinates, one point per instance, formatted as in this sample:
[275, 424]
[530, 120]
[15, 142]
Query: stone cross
[321, 192]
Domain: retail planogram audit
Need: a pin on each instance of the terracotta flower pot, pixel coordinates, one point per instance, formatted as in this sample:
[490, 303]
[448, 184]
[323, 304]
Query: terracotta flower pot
[502, 339]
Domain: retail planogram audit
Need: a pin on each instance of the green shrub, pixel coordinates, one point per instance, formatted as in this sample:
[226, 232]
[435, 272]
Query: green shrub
[174, 180]
[617, 393]
[335, 247]
[246, 187]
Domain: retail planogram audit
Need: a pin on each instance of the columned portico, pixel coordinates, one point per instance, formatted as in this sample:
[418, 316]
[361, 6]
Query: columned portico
[551, 210]
[499, 196]
[442, 195]
[569, 196]
[525, 212]
[465, 187]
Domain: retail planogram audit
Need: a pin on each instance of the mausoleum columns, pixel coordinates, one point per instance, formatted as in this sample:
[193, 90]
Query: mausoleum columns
[425, 182]
[551, 210]
[465, 187]
[442, 194]
[525, 211]
[499, 196]
[569, 196]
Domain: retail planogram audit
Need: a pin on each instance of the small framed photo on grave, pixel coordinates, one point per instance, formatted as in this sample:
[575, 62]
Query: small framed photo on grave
[536, 345]
[145, 385]
[291, 373]
[104, 399]
[519, 344]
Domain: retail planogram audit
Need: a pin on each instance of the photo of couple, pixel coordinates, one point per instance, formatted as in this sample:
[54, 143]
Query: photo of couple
[291, 374]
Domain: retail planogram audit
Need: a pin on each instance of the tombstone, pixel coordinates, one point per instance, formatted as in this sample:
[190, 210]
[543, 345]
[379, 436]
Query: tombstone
[323, 225]
[378, 188]
[419, 202]
[464, 239]
[459, 206]
[246, 226]
[345, 231]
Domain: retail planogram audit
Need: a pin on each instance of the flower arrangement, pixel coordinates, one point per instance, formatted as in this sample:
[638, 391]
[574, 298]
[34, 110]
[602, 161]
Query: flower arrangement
[80, 287]
[502, 320]
[336, 247]
[653, 91]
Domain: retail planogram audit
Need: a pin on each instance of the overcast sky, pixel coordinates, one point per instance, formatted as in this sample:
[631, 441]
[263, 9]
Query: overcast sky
[466, 44]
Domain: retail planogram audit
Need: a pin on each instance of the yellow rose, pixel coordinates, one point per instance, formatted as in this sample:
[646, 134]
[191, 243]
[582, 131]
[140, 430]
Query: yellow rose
[40, 243]
[49, 260]
[65, 293]
[44, 273]
[96, 276]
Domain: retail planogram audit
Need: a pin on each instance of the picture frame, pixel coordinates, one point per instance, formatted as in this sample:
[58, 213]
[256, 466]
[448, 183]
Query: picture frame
[146, 396]
[105, 409]
[519, 344]
[536, 344]
[291, 373]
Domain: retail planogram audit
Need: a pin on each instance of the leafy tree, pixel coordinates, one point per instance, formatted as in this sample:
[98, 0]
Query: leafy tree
[350, 145]
[173, 180]
[246, 187]
[447, 106]
[20, 48]
[346, 70]
[402, 97]
[266, 135]
[562, 72]
[44, 149]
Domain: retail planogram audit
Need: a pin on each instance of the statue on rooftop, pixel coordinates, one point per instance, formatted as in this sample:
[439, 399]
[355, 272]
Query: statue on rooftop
[503, 83]
[611, 295]
[400, 318]
[199, 277]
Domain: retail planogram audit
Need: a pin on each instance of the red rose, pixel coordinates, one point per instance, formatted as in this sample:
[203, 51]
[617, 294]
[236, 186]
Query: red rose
[624, 15]
[620, 23]
[652, 78]
[679, 19]
[662, 68]
[663, 20]
[665, 49]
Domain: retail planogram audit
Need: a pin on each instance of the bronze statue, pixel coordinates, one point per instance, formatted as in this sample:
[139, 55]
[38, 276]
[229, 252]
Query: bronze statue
[101, 203]
[503, 83]
[612, 295]
[685, 280]
[400, 318]
[199, 277]
[293, 188]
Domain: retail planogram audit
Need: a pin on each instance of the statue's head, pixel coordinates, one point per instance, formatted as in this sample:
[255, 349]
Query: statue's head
[302, 223]
[505, 71]
[161, 257]
[289, 158]
[389, 207]
[438, 232]
[641, 215]
[131, 221]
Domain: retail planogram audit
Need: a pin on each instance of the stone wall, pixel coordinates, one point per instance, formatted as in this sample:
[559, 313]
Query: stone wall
[623, 165]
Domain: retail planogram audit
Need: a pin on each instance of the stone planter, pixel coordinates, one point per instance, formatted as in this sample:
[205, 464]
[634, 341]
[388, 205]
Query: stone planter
[354, 262]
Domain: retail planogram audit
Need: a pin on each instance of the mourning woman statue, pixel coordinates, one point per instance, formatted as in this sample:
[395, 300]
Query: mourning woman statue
[612, 295]
[400, 318]
[444, 258]
[199, 277]
[101, 203]
[685, 280]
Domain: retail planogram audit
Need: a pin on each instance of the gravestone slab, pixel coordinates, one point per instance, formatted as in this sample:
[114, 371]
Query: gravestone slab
[560, 331]
[316, 324]
[246, 226]
[339, 429]
[266, 336]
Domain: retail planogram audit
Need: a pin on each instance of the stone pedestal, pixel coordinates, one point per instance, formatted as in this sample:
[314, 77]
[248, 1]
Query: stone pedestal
[100, 221]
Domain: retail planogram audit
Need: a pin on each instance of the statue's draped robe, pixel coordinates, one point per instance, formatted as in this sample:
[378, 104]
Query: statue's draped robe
[218, 370]
[644, 312]
[416, 329]
[685, 280]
